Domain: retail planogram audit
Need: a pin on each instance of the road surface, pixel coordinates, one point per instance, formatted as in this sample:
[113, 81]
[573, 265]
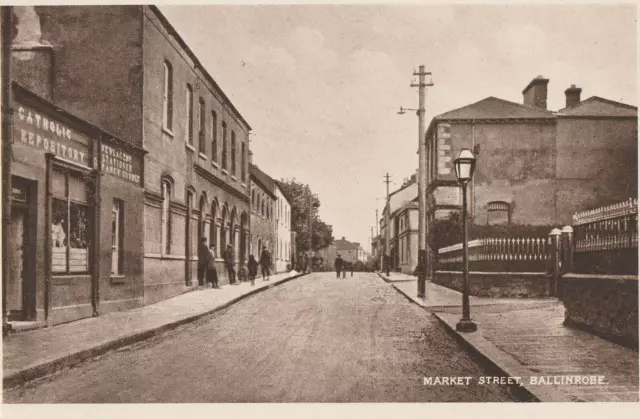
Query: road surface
[313, 339]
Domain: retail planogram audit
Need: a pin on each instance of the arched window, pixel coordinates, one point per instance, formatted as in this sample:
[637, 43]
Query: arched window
[498, 212]
[253, 198]
[167, 97]
[262, 208]
[233, 153]
[224, 145]
[165, 217]
[214, 136]
[212, 228]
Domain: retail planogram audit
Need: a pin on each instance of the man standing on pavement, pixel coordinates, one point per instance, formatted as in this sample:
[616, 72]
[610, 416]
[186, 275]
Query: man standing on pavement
[265, 263]
[338, 265]
[229, 260]
[203, 257]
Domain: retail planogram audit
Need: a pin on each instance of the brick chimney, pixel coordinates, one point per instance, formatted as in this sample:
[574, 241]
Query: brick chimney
[535, 94]
[572, 95]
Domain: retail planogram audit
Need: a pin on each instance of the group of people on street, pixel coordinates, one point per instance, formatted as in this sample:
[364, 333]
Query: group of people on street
[207, 265]
[342, 266]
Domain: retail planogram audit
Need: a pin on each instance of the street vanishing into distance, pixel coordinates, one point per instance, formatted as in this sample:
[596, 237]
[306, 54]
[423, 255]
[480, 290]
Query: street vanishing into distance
[314, 339]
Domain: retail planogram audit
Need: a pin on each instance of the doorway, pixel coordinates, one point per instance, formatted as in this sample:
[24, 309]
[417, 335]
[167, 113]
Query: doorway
[20, 299]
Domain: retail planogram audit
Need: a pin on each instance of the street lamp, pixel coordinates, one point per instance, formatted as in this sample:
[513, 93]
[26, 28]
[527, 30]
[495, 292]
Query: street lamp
[464, 166]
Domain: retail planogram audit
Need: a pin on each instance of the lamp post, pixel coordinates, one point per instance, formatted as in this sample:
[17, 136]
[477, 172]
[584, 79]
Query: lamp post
[465, 165]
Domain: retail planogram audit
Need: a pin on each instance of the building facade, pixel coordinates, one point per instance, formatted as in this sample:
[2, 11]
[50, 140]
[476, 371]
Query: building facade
[263, 224]
[534, 166]
[282, 257]
[75, 241]
[126, 70]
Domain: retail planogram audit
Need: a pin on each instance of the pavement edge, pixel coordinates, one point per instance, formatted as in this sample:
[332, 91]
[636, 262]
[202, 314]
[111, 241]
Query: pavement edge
[498, 360]
[47, 368]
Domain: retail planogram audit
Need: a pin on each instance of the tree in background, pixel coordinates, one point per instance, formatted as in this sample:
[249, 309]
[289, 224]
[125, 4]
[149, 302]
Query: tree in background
[298, 195]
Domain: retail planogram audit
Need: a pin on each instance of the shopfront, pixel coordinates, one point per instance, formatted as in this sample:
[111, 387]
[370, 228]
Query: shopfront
[74, 192]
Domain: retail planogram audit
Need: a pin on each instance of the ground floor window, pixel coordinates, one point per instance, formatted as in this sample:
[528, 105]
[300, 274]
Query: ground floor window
[70, 224]
[117, 237]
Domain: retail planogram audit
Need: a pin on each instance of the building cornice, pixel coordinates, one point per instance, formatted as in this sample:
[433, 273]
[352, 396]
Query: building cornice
[204, 173]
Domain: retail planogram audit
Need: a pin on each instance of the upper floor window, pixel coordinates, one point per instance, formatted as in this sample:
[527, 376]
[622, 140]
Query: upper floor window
[233, 152]
[214, 136]
[202, 145]
[498, 212]
[224, 145]
[167, 97]
[189, 121]
[243, 172]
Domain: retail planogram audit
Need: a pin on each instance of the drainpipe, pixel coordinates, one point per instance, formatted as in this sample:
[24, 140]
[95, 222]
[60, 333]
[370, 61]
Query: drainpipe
[7, 115]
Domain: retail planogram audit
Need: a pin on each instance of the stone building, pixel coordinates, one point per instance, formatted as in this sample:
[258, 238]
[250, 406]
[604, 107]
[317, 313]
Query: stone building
[282, 257]
[534, 166]
[125, 69]
[263, 198]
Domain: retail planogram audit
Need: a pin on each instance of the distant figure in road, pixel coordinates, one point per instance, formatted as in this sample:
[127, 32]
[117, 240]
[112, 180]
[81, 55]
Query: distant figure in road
[351, 266]
[344, 269]
[229, 260]
[338, 264]
[307, 262]
[253, 269]
[212, 272]
[265, 263]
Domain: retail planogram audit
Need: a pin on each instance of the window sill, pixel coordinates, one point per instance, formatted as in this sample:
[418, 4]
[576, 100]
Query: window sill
[244, 185]
[214, 164]
[167, 131]
[202, 155]
[225, 172]
[234, 178]
[190, 147]
[117, 279]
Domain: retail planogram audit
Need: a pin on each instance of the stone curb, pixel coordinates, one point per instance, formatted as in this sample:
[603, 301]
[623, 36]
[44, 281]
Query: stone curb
[70, 360]
[501, 362]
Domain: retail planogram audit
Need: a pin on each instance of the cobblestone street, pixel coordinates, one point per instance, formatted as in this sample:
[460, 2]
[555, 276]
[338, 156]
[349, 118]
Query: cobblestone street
[314, 339]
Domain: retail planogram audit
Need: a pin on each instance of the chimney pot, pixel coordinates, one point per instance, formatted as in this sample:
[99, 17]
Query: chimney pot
[572, 95]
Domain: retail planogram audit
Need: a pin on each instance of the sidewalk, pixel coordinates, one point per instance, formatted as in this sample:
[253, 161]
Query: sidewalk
[33, 354]
[526, 338]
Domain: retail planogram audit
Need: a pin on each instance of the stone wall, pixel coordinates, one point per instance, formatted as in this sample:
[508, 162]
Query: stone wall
[497, 284]
[606, 306]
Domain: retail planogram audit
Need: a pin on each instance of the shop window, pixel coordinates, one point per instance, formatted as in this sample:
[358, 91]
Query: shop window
[167, 97]
[202, 145]
[224, 145]
[214, 137]
[233, 152]
[117, 237]
[166, 216]
[498, 212]
[70, 224]
[189, 121]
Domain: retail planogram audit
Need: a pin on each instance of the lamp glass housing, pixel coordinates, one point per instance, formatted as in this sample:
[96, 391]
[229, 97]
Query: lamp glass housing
[464, 165]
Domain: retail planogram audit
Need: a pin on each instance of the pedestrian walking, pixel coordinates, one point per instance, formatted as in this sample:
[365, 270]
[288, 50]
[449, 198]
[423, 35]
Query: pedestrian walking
[265, 263]
[229, 259]
[253, 269]
[203, 257]
[338, 264]
[307, 262]
[212, 272]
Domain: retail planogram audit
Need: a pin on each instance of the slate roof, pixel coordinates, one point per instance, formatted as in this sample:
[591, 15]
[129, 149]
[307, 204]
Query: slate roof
[599, 107]
[264, 180]
[342, 245]
[495, 108]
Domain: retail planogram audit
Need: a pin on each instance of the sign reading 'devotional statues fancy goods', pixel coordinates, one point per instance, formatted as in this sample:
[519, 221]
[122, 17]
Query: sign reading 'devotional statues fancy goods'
[39, 131]
[119, 163]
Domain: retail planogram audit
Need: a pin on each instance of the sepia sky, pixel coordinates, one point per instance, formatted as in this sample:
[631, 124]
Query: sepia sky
[321, 85]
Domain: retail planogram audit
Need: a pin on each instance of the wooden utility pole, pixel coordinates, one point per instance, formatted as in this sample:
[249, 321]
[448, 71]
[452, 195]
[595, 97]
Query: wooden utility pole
[422, 182]
[387, 257]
